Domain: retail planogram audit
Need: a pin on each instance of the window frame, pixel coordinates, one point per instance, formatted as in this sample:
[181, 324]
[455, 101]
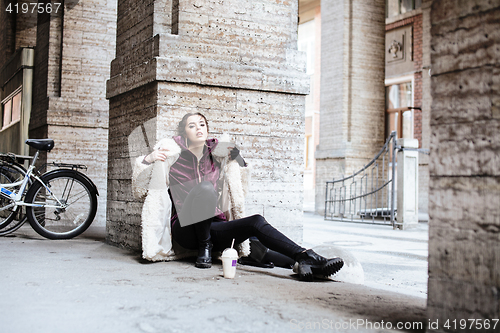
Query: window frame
[10, 99]
[401, 110]
[413, 7]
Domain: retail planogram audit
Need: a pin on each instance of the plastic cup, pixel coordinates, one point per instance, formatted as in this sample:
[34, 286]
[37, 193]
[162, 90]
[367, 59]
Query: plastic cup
[229, 259]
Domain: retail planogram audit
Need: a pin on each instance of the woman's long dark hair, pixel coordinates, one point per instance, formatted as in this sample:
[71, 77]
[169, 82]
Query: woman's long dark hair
[181, 128]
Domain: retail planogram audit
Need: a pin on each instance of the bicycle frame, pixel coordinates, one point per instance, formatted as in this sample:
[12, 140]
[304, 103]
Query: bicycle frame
[23, 183]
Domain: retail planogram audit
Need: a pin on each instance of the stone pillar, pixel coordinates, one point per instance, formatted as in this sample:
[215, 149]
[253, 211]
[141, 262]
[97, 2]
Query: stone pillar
[407, 184]
[423, 160]
[74, 46]
[352, 89]
[236, 62]
[464, 193]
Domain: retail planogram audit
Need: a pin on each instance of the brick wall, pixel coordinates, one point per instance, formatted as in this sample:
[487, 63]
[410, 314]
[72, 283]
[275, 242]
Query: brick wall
[464, 242]
[237, 63]
[416, 23]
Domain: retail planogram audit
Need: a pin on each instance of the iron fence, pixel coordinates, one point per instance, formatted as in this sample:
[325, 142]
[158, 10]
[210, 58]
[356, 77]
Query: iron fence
[368, 195]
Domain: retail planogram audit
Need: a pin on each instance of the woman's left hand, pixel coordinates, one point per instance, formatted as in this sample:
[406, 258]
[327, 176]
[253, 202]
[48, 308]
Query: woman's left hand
[234, 154]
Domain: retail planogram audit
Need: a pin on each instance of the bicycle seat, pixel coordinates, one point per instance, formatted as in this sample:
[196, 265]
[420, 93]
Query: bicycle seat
[41, 144]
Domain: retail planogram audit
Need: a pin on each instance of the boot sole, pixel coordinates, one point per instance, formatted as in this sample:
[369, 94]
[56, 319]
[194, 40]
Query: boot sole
[203, 265]
[306, 272]
[331, 267]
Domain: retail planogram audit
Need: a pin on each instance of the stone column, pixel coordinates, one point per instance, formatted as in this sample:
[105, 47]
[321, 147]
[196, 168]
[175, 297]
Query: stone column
[464, 193]
[74, 46]
[236, 62]
[352, 89]
[423, 160]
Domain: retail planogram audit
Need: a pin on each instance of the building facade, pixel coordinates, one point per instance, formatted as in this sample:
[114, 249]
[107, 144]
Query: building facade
[407, 91]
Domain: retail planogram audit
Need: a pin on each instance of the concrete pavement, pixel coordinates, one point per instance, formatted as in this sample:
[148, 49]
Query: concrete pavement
[393, 260]
[86, 285]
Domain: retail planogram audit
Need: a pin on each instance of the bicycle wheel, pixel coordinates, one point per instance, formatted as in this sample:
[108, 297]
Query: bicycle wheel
[64, 211]
[10, 173]
[13, 226]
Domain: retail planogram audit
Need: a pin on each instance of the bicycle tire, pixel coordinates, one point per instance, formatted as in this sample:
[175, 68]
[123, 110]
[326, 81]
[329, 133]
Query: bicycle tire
[70, 187]
[10, 173]
[13, 226]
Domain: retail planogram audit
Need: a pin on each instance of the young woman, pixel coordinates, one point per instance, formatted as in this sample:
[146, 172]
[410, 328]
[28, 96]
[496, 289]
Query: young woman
[199, 174]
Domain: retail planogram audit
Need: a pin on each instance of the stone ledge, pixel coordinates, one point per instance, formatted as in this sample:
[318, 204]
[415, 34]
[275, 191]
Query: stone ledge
[212, 73]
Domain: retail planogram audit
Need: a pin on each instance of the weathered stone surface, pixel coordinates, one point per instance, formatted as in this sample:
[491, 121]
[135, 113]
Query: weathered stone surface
[464, 193]
[455, 300]
[466, 203]
[208, 72]
[454, 255]
[465, 98]
[471, 42]
[466, 149]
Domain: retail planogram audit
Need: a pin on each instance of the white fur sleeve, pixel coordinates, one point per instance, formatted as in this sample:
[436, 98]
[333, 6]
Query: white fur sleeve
[246, 175]
[141, 176]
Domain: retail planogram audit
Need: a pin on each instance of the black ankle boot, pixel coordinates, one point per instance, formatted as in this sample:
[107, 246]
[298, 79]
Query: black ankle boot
[204, 259]
[309, 263]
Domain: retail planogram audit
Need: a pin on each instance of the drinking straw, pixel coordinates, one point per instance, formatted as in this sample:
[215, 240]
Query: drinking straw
[232, 243]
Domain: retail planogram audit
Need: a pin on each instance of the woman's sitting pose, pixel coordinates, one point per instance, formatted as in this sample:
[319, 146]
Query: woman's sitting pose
[204, 179]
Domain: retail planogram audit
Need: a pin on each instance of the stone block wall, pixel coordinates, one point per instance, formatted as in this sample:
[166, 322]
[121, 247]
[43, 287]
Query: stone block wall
[69, 103]
[237, 63]
[464, 209]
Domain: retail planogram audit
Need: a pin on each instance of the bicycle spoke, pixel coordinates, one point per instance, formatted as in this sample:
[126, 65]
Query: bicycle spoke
[9, 212]
[75, 198]
[73, 206]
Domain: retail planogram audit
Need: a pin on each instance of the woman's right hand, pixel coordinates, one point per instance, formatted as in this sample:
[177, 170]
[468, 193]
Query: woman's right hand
[157, 155]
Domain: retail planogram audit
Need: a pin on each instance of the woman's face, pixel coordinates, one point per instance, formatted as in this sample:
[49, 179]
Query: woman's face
[196, 130]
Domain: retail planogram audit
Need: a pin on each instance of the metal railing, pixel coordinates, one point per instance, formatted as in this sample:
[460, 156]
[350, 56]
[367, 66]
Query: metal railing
[369, 194]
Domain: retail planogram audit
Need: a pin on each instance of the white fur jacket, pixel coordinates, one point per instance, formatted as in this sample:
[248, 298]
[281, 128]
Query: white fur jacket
[151, 182]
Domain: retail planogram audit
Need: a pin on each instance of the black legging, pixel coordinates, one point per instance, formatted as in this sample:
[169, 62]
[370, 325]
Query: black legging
[200, 204]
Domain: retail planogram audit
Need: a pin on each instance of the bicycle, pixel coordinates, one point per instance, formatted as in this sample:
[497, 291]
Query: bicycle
[10, 172]
[60, 204]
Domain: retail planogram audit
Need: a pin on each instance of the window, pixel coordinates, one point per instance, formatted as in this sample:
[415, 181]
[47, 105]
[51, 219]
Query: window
[11, 109]
[397, 7]
[398, 103]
